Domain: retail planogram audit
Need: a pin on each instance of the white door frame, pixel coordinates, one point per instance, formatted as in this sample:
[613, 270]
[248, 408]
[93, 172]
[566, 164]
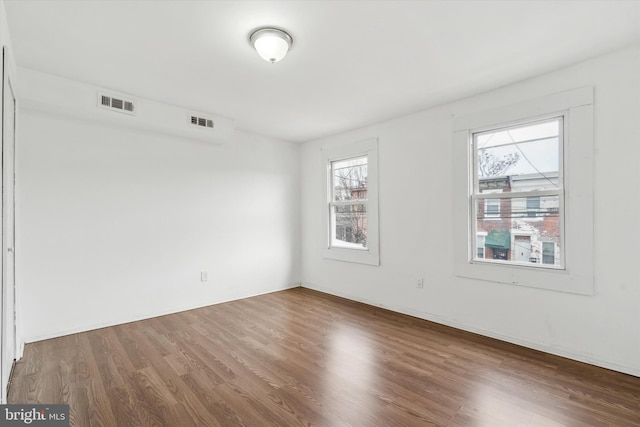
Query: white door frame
[8, 351]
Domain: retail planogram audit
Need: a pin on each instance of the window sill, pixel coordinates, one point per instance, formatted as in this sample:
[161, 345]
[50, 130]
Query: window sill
[531, 265]
[553, 279]
[360, 256]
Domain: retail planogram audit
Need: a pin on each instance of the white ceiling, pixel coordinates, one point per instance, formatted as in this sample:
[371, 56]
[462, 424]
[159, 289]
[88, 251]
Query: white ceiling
[353, 63]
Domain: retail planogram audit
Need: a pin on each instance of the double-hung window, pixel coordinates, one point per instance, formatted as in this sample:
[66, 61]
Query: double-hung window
[351, 204]
[348, 204]
[514, 167]
[523, 193]
[491, 208]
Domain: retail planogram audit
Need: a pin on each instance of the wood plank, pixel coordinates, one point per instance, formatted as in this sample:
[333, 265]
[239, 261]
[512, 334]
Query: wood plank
[302, 358]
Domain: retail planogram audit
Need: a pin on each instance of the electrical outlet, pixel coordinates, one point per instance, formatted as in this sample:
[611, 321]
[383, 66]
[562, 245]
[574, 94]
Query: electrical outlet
[420, 283]
[204, 276]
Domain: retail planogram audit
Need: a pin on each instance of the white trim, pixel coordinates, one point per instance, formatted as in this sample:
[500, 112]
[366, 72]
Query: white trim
[371, 254]
[543, 107]
[10, 288]
[577, 206]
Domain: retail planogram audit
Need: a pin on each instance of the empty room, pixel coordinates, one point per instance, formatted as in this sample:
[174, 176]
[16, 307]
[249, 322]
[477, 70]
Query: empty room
[320, 213]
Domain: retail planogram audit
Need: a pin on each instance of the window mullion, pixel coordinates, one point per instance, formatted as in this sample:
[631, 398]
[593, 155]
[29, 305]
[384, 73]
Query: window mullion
[517, 194]
[349, 202]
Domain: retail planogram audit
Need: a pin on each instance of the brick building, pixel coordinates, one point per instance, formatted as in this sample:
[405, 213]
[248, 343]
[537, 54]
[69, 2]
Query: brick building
[523, 229]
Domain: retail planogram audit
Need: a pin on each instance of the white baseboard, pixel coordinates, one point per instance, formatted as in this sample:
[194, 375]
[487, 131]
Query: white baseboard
[555, 350]
[106, 324]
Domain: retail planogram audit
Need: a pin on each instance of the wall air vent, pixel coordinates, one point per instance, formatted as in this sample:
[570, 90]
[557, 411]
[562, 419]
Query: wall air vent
[116, 103]
[198, 120]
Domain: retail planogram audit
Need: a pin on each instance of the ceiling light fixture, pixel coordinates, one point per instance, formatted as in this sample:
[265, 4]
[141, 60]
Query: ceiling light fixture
[272, 44]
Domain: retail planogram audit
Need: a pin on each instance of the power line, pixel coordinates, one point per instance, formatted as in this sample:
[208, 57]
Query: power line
[529, 161]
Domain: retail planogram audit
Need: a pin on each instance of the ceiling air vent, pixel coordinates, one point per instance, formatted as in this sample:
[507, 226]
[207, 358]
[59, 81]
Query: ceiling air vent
[200, 121]
[116, 103]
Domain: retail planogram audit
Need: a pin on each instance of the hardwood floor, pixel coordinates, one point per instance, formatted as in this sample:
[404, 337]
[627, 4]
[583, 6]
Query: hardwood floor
[300, 357]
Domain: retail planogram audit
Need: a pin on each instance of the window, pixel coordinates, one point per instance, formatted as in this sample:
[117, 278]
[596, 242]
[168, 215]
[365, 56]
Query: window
[348, 205]
[492, 208]
[533, 206]
[536, 158]
[480, 246]
[518, 163]
[548, 252]
[351, 208]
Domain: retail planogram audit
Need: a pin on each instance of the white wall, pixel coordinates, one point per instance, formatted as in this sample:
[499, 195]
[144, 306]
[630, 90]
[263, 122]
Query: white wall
[415, 172]
[116, 224]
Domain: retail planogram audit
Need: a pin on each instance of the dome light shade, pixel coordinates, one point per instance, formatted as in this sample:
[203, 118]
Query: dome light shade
[271, 44]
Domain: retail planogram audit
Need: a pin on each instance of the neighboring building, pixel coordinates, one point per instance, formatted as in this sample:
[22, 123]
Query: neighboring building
[522, 229]
[351, 224]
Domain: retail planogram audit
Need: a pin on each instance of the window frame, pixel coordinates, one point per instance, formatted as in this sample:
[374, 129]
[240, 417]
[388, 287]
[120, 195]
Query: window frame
[334, 204]
[476, 196]
[371, 254]
[576, 276]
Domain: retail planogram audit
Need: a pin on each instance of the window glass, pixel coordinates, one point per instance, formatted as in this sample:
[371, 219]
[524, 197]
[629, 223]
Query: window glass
[520, 164]
[348, 206]
[349, 179]
[350, 223]
[524, 158]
